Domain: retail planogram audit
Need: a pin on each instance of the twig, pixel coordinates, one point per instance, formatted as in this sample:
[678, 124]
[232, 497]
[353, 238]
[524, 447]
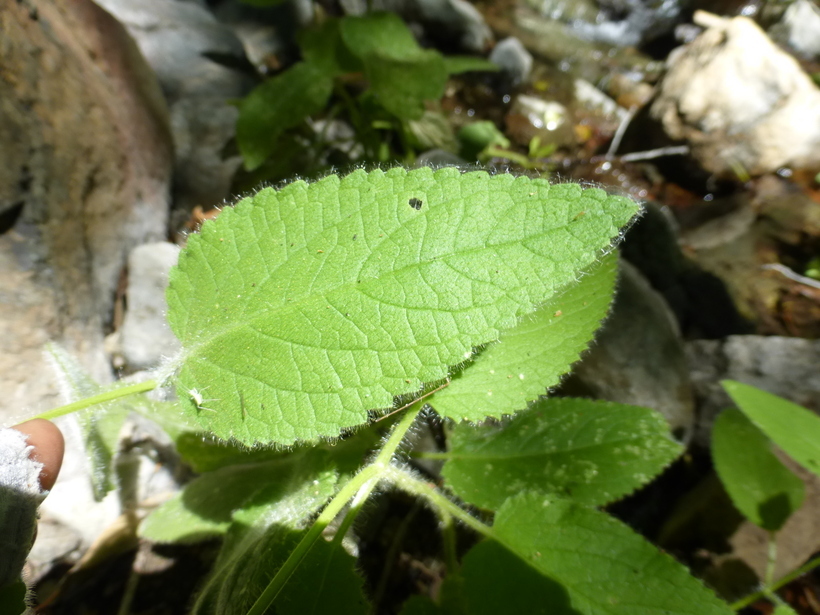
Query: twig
[792, 275]
[670, 150]
[619, 134]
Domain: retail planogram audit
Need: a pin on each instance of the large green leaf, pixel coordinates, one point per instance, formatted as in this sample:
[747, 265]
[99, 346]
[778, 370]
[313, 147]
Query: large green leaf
[302, 309]
[532, 356]
[278, 104]
[792, 427]
[604, 567]
[296, 485]
[593, 452]
[402, 75]
[761, 487]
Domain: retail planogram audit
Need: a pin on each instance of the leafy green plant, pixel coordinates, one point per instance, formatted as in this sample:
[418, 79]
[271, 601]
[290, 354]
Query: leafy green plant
[373, 69]
[762, 488]
[324, 318]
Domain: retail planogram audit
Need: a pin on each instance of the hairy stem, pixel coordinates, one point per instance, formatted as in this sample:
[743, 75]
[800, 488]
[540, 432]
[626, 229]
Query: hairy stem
[408, 482]
[131, 389]
[356, 489]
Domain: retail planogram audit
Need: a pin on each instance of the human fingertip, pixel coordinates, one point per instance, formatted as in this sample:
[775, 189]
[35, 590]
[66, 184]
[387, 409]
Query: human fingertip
[48, 446]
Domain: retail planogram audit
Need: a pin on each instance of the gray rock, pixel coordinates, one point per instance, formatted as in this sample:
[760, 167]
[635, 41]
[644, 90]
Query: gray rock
[86, 159]
[638, 357]
[739, 101]
[145, 335]
[201, 65]
[800, 29]
[513, 59]
[784, 366]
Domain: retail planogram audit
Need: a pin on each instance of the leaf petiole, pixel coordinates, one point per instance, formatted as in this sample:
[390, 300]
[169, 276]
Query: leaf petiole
[131, 389]
[357, 490]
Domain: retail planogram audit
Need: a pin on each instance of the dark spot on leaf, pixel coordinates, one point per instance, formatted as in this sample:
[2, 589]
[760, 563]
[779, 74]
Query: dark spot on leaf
[415, 203]
[354, 237]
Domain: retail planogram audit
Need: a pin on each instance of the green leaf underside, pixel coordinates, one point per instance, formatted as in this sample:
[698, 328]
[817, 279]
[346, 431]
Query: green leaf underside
[277, 105]
[532, 356]
[604, 567]
[593, 452]
[292, 487]
[792, 427]
[325, 582]
[761, 487]
[300, 310]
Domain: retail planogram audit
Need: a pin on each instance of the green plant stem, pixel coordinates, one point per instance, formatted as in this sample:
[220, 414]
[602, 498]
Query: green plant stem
[131, 389]
[450, 545]
[405, 480]
[771, 560]
[784, 580]
[357, 489]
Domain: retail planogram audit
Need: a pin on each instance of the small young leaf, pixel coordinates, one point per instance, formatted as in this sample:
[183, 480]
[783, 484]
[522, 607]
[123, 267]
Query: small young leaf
[322, 46]
[100, 425]
[605, 568]
[761, 487]
[300, 310]
[792, 427]
[325, 582]
[278, 104]
[593, 452]
[296, 484]
[402, 75]
[531, 357]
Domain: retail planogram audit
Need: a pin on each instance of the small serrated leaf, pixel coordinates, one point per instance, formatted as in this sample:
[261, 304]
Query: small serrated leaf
[761, 487]
[792, 427]
[593, 452]
[280, 103]
[302, 309]
[402, 75]
[532, 356]
[605, 567]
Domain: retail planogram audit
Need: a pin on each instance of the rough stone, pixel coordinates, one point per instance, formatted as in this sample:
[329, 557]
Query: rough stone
[513, 59]
[145, 335]
[201, 66]
[784, 366]
[638, 356]
[85, 162]
[739, 101]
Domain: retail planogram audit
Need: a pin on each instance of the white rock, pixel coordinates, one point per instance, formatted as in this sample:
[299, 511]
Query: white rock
[146, 337]
[800, 28]
[739, 101]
